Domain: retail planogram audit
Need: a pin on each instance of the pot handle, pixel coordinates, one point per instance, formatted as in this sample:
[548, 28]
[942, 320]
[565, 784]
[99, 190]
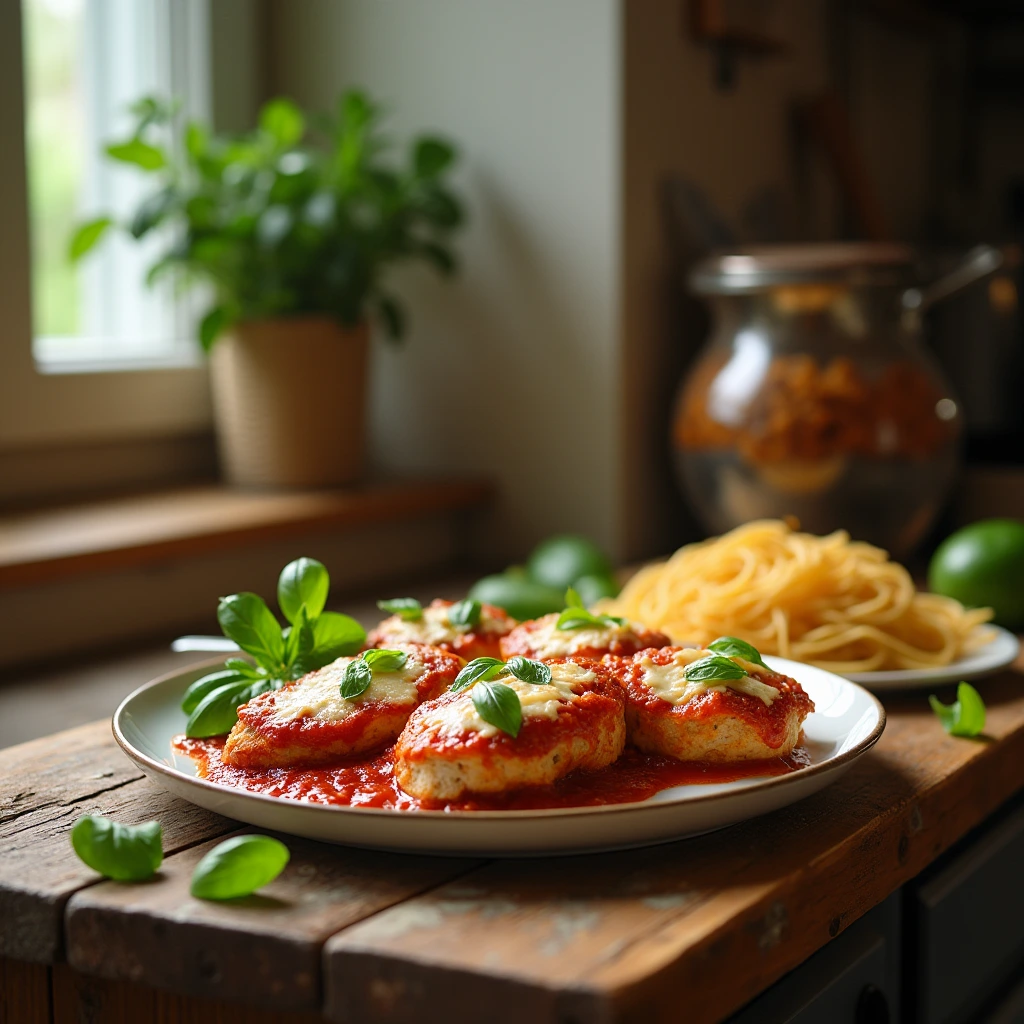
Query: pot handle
[981, 261]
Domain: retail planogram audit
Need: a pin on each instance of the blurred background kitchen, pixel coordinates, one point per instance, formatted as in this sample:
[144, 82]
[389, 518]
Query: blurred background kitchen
[592, 365]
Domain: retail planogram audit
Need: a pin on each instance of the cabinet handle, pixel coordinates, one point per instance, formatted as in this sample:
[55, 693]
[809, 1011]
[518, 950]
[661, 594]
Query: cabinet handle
[872, 1006]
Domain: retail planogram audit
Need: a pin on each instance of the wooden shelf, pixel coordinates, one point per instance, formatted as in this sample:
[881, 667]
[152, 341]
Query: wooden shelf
[153, 529]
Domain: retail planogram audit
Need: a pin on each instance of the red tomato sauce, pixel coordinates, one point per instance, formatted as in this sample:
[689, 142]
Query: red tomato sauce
[370, 782]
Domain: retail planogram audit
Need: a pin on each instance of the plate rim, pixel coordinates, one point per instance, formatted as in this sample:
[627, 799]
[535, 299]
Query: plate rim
[140, 758]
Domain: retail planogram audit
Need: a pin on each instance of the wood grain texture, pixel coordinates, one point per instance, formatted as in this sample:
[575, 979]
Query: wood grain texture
[45, 786]
[155, 529]
[619, 937]
[81, 999]
[265, 949]
[24, 993]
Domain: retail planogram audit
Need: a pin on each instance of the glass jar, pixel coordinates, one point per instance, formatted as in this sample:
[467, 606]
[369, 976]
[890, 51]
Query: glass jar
[815, 398]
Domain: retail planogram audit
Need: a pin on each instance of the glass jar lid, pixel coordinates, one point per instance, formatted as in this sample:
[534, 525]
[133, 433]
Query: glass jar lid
[762, 268]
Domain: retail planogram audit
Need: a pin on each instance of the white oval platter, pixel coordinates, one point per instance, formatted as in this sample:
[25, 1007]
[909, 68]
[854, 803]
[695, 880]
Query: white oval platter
[998, 653]
[846, 723]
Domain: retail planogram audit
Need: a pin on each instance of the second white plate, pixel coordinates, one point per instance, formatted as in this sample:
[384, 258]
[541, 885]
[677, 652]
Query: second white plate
[999, 652]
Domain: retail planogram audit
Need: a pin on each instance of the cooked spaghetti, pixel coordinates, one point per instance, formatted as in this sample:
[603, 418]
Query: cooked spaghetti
[829, 601]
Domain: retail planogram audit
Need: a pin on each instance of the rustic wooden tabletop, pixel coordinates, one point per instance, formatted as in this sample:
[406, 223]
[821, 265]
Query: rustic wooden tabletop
[375, 938]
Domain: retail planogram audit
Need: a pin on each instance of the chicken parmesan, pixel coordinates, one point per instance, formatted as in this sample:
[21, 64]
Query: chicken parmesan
[309, 722]
[572, 720]
[468, 628]
[593, 637]
[694, 704]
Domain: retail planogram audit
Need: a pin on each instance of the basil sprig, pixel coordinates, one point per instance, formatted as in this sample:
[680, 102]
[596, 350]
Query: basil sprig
[408, 609]
[314, 638]
[495, 702]
[714, 668]
[238, 867]
[465, 613]
[965, 716]
[733, 647]
[126, 853]
[577, 616]
[359, 673]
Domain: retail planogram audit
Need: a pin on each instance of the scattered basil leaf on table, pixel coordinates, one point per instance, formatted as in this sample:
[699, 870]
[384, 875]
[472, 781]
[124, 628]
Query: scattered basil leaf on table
[498, 705]
[383, 660]
[965, 716]
[528, 671]
[478, 668]
[126, 853]
[238, 867]
[713, 668]
[303, 583]
[465, 613]
[733, 647]
[356, 679]
[406, 608]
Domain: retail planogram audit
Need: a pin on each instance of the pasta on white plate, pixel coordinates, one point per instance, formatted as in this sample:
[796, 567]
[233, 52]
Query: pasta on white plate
[829, 601]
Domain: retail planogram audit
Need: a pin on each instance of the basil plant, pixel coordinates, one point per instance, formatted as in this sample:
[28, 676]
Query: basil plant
[312, 639]
[300, 216]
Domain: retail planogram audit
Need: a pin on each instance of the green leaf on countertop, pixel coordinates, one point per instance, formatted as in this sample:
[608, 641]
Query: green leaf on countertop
[238, 867]
[303, 582]
[478, 669]
[126, 853]
[528, 671]
[733, 647]
[965, 716]
[465, 613]
[498, 704]
[406, 608]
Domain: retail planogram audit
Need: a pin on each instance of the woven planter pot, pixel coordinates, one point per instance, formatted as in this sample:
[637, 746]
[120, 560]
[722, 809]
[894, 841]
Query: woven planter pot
[289, 399]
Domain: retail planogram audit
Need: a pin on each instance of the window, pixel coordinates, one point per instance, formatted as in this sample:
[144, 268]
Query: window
[85, 62]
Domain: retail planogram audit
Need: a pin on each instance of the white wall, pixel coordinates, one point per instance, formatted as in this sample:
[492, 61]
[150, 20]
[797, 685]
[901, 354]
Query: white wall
[511, 371]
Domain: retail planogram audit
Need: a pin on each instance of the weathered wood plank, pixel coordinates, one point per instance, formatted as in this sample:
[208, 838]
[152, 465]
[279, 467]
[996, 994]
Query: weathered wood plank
[24, 993]
[45, 786]
[265, 949]
[622, 936]
[80, 999]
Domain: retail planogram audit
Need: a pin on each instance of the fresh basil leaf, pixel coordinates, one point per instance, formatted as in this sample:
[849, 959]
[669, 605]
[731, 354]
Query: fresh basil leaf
[335, 635]
[238, 867]
[299, 644]
[573, 599]
[126, 853]
[246, 619]
[465, 613]
[578, 618]
[382, 660]
[217, 712]
[713, 668]
[477, 669]
[528, 671]
[357, 679]
[243, 667]
[965, 716]
[733, 647]
[406, 608]
[201, 687]
[303, 582]
[499, 705]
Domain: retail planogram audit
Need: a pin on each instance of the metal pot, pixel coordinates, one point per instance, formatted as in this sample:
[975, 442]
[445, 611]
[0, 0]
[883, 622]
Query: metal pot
[814, 396]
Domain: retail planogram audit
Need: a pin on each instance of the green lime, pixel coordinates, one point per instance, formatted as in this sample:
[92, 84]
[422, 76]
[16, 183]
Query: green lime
[595, 586]
[521, 598]
[982, 565]
[560, 561]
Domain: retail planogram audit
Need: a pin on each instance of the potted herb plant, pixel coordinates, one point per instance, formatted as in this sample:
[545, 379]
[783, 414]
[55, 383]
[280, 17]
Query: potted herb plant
[291, 229]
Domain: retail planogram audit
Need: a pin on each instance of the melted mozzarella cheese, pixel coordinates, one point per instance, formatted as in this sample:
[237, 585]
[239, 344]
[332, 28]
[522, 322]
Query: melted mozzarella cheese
[550, 642]
[669, 681]
[318, 695]
[538, 700]
[433, 628]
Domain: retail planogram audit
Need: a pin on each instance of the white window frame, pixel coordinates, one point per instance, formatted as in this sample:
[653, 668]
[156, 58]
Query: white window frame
[98, 402]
